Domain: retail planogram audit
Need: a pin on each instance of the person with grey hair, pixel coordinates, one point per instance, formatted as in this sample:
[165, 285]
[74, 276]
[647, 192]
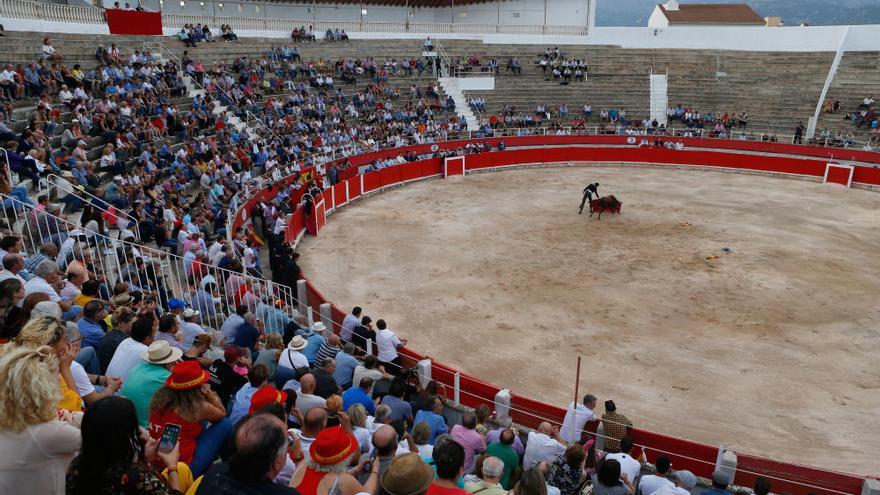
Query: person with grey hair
[47, 308]
[51, 226]
[576, 418]
[47, 280]
[86, 382]
[248, 333]
[345, 366]
[490, 483]
[382, 417]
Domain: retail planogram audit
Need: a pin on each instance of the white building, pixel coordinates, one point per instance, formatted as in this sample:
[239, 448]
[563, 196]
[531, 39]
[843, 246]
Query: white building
[673, 13]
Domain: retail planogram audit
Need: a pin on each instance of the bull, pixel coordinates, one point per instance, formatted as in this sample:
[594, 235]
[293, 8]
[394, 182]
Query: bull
[603, 204]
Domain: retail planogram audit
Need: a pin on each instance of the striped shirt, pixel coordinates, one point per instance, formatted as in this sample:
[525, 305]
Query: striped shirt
[326, 351]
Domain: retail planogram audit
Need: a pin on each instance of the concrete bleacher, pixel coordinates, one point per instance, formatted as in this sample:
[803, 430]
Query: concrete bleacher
[776, 89]
[858, 77]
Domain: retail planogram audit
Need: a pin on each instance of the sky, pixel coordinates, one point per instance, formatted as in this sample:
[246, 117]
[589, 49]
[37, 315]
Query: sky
[793, 12]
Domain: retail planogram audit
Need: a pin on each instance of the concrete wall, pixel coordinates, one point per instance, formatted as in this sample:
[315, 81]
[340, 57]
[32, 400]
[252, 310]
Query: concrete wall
[525, 12]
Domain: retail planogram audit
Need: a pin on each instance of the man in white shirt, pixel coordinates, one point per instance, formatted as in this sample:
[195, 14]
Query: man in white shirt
[628, 465]
[189, 327]
[650, 483]
[576, 417]
[543, 445]
[292, 357]
[46, 279]
[84, 385]
[12, 263]
[128, 353]
[387, 343]
[351, 321]
[685, 482]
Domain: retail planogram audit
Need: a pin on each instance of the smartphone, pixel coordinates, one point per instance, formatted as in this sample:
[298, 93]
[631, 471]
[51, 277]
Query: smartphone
[169, 437]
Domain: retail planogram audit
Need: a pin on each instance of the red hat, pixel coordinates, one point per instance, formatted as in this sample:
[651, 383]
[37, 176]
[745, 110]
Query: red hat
[264, 396]
[332, 446]
[186, 375]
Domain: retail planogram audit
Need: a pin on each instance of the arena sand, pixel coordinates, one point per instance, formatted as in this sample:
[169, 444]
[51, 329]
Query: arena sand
[771, 349]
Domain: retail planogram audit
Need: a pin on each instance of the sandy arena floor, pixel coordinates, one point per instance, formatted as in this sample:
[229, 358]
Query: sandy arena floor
[771, 349]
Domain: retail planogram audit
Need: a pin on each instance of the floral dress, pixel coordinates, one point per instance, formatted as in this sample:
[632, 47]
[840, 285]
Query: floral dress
[564, 477]
[124, 479]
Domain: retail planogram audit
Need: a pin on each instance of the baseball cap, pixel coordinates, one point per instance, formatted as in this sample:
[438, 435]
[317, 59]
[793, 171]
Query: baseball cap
[687, 478]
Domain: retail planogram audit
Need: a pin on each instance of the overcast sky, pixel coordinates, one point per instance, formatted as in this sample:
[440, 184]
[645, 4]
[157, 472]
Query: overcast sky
[793, 12]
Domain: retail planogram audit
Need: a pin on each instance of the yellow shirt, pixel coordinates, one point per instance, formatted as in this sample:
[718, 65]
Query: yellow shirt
[82, 299]
[70, 400]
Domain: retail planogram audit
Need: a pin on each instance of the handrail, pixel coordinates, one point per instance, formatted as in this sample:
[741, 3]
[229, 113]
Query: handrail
[21, 9]
[56, 181]
[164, 50]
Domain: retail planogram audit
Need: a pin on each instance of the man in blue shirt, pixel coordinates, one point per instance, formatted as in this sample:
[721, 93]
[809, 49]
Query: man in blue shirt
[345, 366]
[360, 395]
[432, 417]
[720, 480]
[247, 334]
[92, 332]
[400, 409]
[315, 340]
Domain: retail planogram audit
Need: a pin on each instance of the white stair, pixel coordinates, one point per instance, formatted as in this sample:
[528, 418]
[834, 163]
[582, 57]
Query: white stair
[659, 98]
[449, 86]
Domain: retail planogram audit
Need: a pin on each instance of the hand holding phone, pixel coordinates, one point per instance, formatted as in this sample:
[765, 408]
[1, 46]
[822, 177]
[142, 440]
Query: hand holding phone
[169, 437]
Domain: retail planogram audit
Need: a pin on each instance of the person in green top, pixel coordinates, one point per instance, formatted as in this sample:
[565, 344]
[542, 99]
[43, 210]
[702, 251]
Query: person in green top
[504, 451]
[146, 378]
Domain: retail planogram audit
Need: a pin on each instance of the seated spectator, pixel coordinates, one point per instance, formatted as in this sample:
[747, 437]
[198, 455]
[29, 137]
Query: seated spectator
[306, 398]
[628, 465]
[325, 385]
[651, 483]
[609, 480]
[490, 481]
[406, 475]
[116, 457]
[49, 53]
[258, 377]
[330, 454]
[466, 434]
[360, 395]
[544, 445]
[449, 463]
[128, 354]
[260, 447]
[503, 450]
[148, 377]
[685, 481]
[720, 481]
[224, 380]
[11, 294]
[187, 400]
[401, 410]
[567, 471]
[346, 364]
[35, 446]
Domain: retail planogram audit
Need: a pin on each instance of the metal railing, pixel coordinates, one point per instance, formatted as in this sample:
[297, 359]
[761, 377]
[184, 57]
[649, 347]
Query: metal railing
[52, 180]
[165, 274]
[20, 9]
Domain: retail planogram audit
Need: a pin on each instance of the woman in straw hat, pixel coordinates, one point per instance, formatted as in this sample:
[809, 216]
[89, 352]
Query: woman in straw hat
[326, 472]
[187, 400]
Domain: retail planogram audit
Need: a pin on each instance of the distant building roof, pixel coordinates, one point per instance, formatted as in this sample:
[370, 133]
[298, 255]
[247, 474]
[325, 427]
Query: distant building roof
[703, 13]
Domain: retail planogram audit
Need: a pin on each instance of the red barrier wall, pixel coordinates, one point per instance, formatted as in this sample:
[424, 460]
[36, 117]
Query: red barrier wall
[685, 454]
[134, 22]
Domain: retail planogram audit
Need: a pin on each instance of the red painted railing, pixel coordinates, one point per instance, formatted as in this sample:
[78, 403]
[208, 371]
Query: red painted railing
[685, 454]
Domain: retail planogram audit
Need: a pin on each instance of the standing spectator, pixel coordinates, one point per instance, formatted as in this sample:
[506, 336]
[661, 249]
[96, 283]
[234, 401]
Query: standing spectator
[363, 332]
[351, 321]
[449, 461]
[490, 482]
[35, 447]
[576, 417]
[387, 343]
[798, 133]
[187, 400]
[616, 426]
[146, 378]
[543, 445]
[651, 483]
[466, 434]
[115, 457]
[260, 451]
[628, 465]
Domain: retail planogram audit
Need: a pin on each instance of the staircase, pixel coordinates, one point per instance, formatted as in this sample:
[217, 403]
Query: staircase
[659, 98]
[449, 86]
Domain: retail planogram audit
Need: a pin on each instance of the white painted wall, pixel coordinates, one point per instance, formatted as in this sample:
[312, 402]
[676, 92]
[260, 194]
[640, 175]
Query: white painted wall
[658, 19]
[513, 12]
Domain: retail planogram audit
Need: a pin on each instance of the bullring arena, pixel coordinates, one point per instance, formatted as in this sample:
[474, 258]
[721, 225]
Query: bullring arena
[767, 347]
